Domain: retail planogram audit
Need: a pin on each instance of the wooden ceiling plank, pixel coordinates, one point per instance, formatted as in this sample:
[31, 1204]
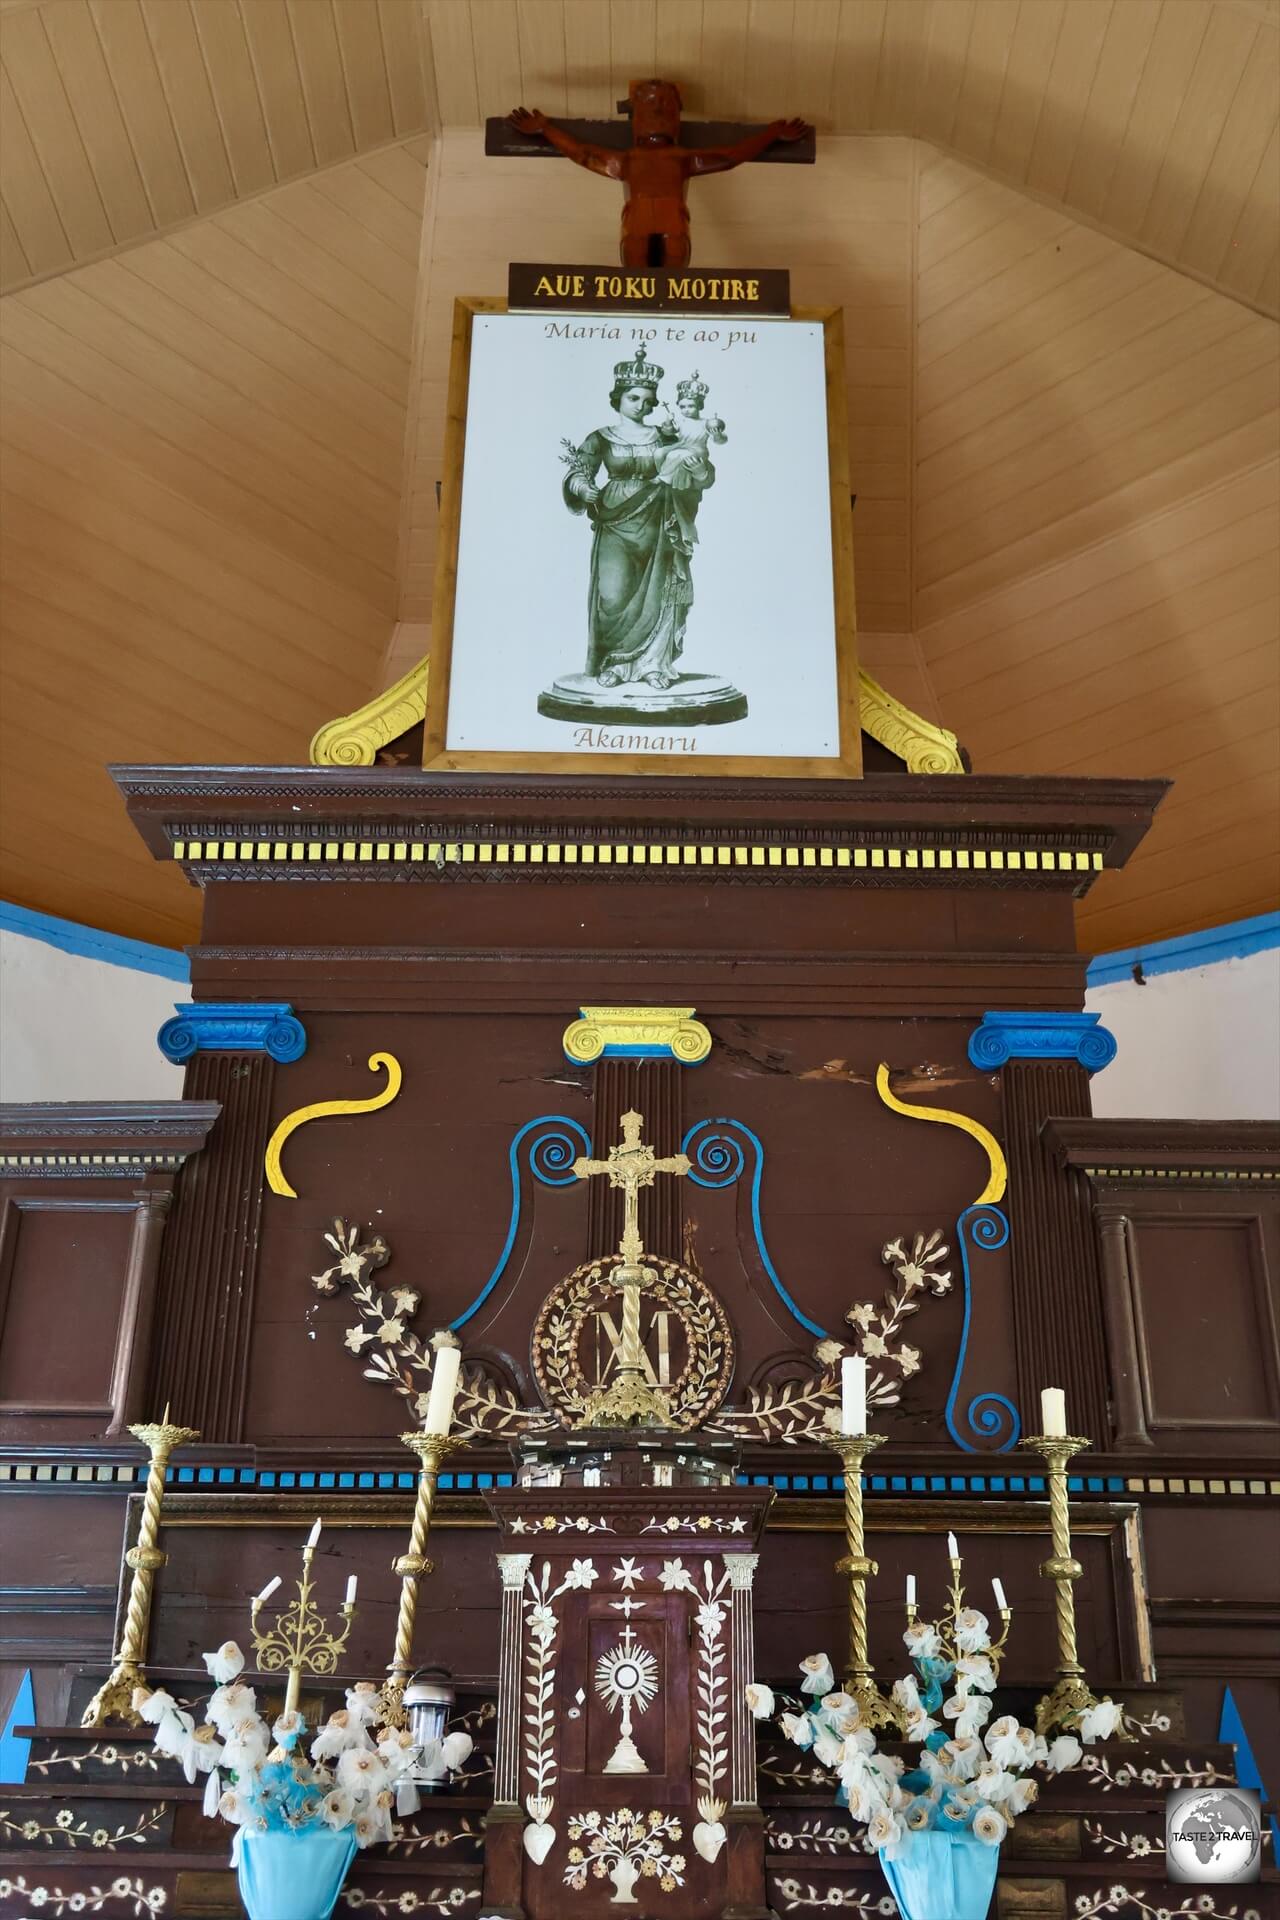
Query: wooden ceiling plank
[397, 171]
[144, 108]
[1269, 286]
[1040, 275]
[857, 61]
[1130, 33]
[196, 514]
[495, 41]
[1035, 39]
[448, 26]
[633, 41]
[1250, 125]
[588, 65]
[354, 247]
[224, 252]
[275, 63]
[540, 25]
[27, 192]
[1209, 100]
[1221, 888]
[985, 67]
[724, 56]
[1067, 89]
[233, 83]
[364, 69]
[346, 408]
[813, 70]
[678, 51]
[252, 463]
[140, 914]
[261, 226]
[966, 269]
[14, 265]
[324, 87]
[376, 210]
[92, 96]
[944, 57]
[903, 52]
[770, 30]
[1241, 444]
[46, 111]
[1251, 245]
[171, 29]
[942, 180]
[1166, 75]
[405, 52]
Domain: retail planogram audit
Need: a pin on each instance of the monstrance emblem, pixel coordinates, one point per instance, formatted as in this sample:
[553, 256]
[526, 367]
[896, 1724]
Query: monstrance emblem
[626, 1678]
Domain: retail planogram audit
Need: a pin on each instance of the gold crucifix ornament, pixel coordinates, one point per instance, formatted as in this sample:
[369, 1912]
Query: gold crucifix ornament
[630, 1400]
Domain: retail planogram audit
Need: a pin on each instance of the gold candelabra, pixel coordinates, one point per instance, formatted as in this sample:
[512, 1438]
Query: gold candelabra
[1060, 1709]
[301, 1639]
[947, 1625]
[431, 1449]
[859, 1678]
[114, 1698]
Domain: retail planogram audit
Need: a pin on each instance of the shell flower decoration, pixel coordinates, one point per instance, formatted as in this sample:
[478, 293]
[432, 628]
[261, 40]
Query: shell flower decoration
[974, 1771]
[260, 1779]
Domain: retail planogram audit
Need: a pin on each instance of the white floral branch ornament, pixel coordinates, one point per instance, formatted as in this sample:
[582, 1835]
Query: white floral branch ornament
[393, 1355]
[799, 1411]
[543, 1626]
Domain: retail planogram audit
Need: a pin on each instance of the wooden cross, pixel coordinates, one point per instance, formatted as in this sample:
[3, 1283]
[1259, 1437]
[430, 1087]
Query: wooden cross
[631, 1166]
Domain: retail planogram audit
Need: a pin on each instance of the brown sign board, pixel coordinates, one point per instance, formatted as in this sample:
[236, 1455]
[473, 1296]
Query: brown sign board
[536, 288]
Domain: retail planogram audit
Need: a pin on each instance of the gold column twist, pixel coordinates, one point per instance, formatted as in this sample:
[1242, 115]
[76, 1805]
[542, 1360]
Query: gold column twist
[859, 1678]
[1060, 1710]
[301, 1639]
[431, 1449]
[114, 1698]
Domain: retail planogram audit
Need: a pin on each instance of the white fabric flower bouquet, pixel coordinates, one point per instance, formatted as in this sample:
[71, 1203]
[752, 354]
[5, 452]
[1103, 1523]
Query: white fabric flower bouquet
[972, 1776]
[352, 1780]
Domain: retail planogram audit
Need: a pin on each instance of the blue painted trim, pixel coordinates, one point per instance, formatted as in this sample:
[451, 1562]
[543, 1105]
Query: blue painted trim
[1231, 1731]
[233, 1026]
[89, 943]
[14, 1753]
[1234, 941]
[713, 1156]
[990, 1230]
[1042, 1036]
[556, 1152]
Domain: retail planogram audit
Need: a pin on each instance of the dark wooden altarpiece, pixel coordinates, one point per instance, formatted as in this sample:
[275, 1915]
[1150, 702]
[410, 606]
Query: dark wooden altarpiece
[817, 930]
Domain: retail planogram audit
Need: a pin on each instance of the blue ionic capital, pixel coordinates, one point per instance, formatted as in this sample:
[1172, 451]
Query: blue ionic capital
[233, 1026]
[1042, 1036]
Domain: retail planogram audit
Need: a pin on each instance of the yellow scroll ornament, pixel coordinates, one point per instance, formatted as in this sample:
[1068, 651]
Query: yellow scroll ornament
[322, 1110]
[993, 1192]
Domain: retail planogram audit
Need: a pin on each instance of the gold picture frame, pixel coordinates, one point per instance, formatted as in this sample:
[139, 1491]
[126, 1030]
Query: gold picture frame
[437, 756]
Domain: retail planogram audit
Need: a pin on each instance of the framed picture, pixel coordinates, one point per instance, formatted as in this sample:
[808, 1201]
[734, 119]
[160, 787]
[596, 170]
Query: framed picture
[646, 552]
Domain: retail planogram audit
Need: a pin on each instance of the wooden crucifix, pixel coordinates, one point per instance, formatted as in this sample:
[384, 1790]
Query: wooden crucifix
[657, 165]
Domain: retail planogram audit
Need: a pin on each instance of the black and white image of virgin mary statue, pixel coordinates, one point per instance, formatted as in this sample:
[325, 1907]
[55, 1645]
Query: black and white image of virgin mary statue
[638, 482]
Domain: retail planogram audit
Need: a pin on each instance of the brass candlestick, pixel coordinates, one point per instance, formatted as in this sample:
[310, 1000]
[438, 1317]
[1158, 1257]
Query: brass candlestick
[431, 1449]
[946, 1626]
[301, 1639]
[1060, 1710]
[859, 1679]
[114, 1698]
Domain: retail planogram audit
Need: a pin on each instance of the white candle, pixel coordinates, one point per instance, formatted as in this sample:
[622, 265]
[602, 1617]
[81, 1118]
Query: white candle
[1053, 1410]
[911, 1589]
[998, 1591]
[953, 1551]
[351, 1589]
[267, 1591]
[444, 1386]
[314, 1534]
[853, 1394]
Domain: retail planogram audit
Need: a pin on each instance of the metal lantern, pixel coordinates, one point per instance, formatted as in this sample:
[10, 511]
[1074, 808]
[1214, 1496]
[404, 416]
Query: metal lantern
[427, 1702]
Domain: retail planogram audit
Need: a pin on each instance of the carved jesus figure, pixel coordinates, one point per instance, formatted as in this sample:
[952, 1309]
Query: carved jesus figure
[655, 168]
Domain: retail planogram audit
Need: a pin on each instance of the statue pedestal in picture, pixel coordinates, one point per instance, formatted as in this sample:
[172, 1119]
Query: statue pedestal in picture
[626, 1648]
[693, 700]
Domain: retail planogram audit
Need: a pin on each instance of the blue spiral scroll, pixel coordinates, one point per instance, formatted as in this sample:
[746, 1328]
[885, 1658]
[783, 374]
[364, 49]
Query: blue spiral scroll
[988, 1414]
[719, 1160]
[556, 1144]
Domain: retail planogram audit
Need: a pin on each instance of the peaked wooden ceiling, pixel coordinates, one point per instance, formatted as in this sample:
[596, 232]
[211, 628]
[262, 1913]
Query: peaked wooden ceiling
[223, 376]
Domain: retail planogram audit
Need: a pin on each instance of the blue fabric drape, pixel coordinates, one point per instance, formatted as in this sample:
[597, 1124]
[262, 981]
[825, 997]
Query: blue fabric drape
[942, 1876]
[294, 1876]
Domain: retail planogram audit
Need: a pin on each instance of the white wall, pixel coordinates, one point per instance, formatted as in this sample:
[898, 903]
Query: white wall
[1200, 1044]
[77, 1028]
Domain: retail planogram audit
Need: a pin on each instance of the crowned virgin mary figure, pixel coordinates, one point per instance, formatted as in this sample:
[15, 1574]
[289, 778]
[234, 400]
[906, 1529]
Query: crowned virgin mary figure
[642, 507]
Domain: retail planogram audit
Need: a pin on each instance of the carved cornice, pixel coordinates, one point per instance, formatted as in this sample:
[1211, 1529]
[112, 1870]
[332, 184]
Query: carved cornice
[1162, 1153]
[1042, 1036]
[233, 1026]
[91, 1140]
